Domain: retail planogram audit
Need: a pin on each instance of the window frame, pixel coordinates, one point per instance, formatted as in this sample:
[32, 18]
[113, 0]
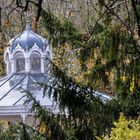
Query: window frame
[19, 68]
[34, 67]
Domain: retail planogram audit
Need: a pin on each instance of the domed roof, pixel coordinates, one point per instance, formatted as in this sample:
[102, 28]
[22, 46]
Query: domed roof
[27, 39]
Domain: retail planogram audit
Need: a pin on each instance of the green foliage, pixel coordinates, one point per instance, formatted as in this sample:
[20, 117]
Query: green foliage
[20, 131]
[124, 129]
[88, 116]
[116, 51]
[7, 134]
[24, 135]
[61, 32]
[84, 110]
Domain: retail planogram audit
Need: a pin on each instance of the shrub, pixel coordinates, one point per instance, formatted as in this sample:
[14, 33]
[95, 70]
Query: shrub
[124, 129]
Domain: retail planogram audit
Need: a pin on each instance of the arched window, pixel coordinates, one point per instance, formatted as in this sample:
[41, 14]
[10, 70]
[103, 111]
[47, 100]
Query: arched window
[35, 62]
[19, 62]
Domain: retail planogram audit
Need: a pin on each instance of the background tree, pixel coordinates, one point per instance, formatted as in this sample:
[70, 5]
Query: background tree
[105, 42]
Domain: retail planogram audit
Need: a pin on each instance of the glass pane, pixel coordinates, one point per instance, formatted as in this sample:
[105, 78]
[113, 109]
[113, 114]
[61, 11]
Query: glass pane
[35, 63]
[9, 67]
[20, 64]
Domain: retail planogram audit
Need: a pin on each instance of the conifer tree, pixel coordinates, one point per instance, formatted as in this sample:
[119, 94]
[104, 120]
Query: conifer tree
[112, 43]
[24, 135]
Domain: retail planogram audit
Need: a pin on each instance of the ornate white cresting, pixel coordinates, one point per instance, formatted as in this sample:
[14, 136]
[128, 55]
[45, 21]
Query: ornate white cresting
[27, 52]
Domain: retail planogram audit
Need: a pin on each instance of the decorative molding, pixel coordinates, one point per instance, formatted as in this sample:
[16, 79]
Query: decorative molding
[23, 110]
[35, 48]
[18, 48]
[14, 110]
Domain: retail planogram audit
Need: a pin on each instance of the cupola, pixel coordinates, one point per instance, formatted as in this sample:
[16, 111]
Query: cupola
[27, 52]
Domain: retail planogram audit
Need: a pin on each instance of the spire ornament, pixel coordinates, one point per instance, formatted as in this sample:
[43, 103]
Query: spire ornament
[28, 27]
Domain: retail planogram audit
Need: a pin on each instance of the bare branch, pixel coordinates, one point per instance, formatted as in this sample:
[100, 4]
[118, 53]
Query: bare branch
[7, 6]
[0, 18]
[136, 15]
[119, 3]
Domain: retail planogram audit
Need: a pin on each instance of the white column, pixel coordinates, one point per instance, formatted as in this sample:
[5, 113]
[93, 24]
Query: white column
[27, 64]
[7, 67]
[13, 67]
[24, 115]
[42, 65]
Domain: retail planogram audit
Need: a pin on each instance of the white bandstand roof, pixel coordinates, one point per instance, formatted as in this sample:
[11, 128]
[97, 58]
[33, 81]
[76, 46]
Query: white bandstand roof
[13, 91]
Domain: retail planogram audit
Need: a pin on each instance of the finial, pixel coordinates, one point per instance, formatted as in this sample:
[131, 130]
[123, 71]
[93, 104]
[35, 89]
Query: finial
[28, 28]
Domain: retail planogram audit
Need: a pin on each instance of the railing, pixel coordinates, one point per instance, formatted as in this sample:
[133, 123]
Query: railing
[19, 110]
[14, 110]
